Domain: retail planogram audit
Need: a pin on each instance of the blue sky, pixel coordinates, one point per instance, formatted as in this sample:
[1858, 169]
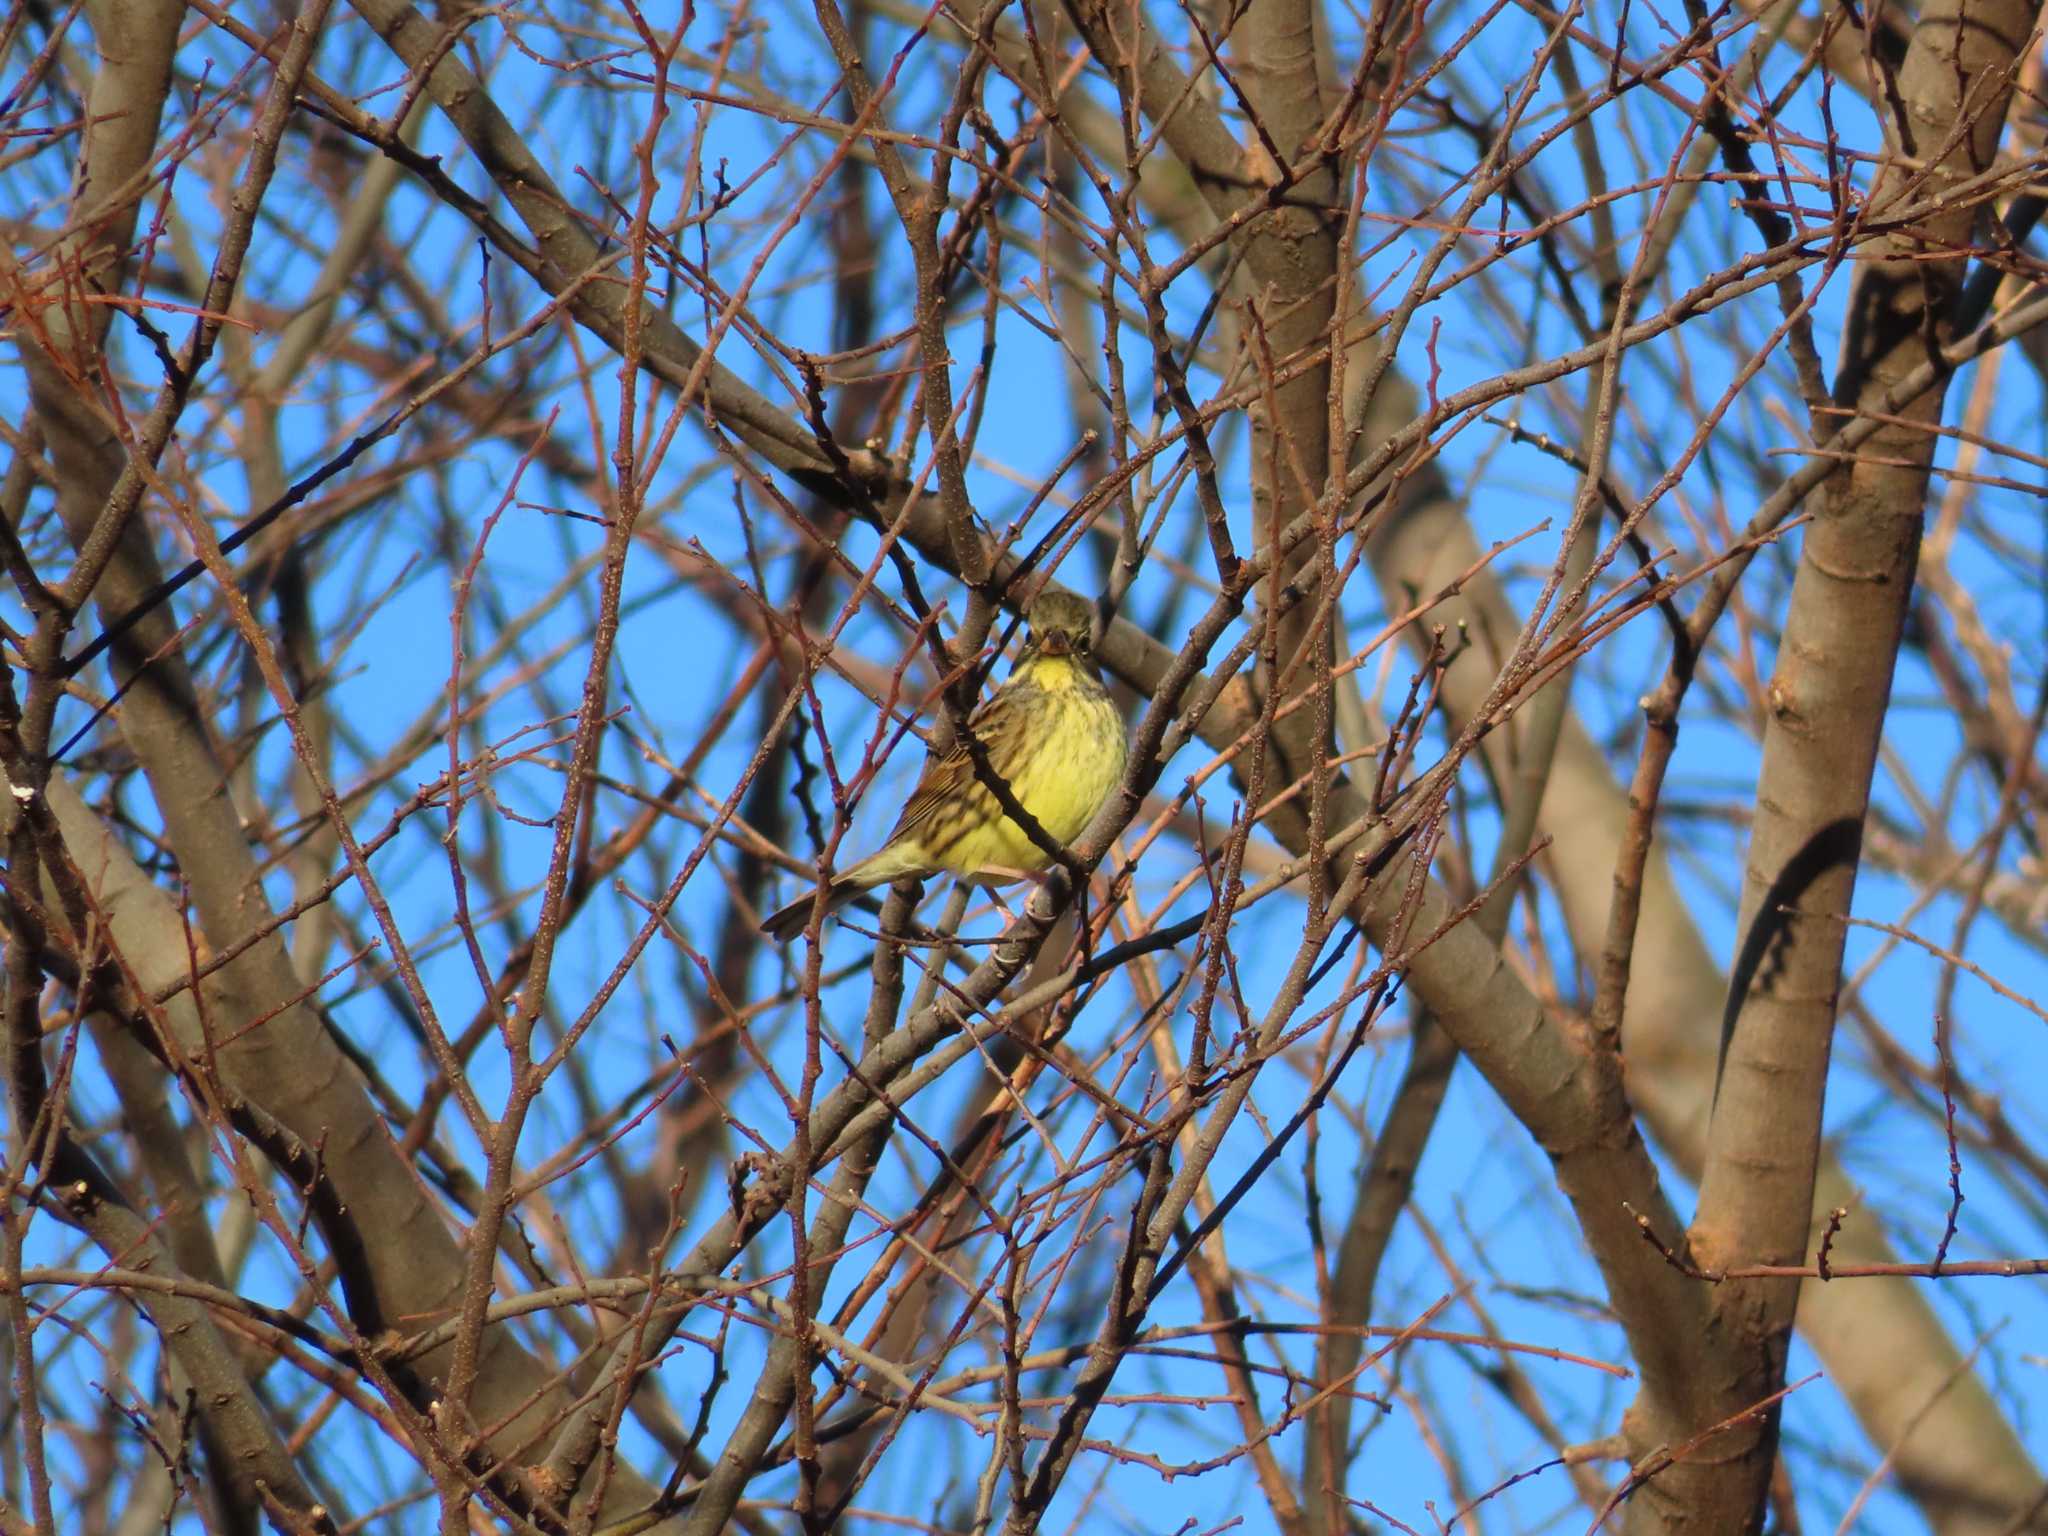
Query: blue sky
[1493, 1215]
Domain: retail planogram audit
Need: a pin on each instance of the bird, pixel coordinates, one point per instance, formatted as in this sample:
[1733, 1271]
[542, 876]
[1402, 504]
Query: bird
[1052, 734]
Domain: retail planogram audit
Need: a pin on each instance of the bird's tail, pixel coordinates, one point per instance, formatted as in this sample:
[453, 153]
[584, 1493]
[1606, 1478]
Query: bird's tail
[785, 923]
[902, 856]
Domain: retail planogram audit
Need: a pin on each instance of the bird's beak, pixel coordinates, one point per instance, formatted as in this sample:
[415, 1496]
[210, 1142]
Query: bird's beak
[1056, 643]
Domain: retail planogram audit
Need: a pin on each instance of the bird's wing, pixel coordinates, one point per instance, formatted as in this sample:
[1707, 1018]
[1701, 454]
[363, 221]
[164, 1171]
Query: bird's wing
[947, 775]
[943, 779]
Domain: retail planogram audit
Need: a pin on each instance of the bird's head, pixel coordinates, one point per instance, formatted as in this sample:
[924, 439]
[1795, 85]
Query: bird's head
[1060, 624]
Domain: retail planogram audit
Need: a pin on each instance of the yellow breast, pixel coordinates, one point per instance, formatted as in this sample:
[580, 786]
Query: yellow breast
[1075, 760]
